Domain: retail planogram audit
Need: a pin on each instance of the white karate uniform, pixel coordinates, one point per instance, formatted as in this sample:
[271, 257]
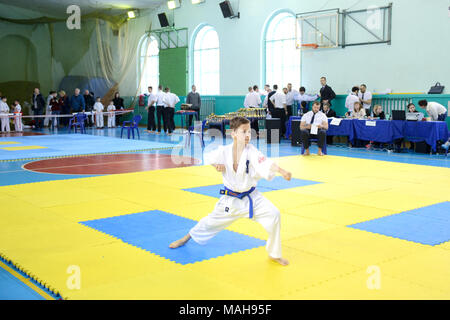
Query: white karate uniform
[111, 116]
[18, 125]
[98, 108]
[4, 111]
[229, 208]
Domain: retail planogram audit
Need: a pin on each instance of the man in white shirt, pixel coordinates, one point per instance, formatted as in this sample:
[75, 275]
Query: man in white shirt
[435, 110]
[351, 99]
[365, 97]
[151, 125]
[160, 110]
[280, 110]
[253, 100]
[247, 97]
[314, 125]
[290, 98]
[301, 96]
[170, 99]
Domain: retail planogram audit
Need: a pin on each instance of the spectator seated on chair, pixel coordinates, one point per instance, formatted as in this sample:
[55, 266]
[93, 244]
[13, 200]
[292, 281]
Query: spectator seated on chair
[314, 118]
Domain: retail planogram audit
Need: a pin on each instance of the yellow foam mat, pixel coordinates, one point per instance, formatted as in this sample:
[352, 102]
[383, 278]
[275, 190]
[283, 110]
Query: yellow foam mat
[2, 143]
[42, 235]
[23, 148]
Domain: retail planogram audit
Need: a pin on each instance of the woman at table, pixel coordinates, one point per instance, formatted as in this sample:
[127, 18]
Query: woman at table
[412, 109]
[358, 112]
[377, 113]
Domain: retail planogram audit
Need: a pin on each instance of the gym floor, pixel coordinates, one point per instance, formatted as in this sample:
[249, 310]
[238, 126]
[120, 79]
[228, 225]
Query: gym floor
[91, 217]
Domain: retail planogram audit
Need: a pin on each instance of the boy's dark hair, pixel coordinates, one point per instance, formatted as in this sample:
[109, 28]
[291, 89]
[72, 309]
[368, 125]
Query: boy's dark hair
[304, 103]
[355, 89]
[4, 97]
[255, 87]
[302, 89]
[275, 87]
[150, 87]
[423, 103]
[236, 122]
[316, 102]
[409, 104]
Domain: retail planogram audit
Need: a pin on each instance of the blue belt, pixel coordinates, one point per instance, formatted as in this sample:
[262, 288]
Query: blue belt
[241, 195]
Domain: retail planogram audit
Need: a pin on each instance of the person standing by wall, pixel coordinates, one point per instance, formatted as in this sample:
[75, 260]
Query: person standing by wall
[194, 98]
[326, 93]
[118, 103]
[89, 106]
[280, 110]
[365, 97]
[170, 99]
[38, 106]
[151, 125]
[77, 102]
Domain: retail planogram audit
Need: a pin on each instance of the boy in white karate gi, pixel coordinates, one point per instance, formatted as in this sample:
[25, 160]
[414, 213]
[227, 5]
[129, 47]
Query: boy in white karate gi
[111, 115]
[98, 108]
[242, 165]
[4, 111]
[17, 116]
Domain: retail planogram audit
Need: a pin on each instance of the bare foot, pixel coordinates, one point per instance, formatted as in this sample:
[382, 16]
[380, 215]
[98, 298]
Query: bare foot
[180, 242]
[319, 153]
[281, 261]
[306, 152]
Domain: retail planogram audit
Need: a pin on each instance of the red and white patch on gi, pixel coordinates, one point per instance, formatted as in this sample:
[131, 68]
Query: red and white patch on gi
[261, 159]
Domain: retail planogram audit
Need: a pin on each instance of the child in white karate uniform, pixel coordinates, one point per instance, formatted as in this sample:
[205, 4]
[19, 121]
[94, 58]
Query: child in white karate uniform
[18, 125]
[4, 111]
[111, 115]
[98, 108]
[242, 165]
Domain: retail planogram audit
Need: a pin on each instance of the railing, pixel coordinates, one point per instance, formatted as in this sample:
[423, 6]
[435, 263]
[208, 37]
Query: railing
[208, 107]
[394, 103]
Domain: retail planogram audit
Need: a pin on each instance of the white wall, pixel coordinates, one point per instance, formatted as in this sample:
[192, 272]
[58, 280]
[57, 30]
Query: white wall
[417, 58]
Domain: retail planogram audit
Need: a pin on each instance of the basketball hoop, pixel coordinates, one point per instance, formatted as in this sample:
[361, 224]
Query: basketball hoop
[310, 45]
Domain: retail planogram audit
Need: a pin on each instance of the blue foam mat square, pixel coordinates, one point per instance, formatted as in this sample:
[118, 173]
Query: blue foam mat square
[153, 231]
[278, 183]
[428, 225]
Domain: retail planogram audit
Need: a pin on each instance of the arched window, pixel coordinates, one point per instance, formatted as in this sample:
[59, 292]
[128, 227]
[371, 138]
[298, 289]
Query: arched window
[206, 69]
[148, 71]
[282, 59]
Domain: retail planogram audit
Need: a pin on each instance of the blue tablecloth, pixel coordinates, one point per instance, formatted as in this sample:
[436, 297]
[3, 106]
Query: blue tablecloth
[345, 128]
[384, 131]
[428, 131]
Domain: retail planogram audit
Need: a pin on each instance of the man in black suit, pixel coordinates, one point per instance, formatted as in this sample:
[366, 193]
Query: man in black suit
[268, 103]
[38, 107]
[330, 113]
[326, 93]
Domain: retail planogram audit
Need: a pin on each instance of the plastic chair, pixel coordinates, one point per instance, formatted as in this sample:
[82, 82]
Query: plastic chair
[197, 130]
[80, 119]
[133, 124]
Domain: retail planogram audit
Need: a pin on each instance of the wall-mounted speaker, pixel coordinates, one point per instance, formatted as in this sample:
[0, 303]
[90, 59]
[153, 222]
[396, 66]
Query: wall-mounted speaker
[226, 8]
[163, 20]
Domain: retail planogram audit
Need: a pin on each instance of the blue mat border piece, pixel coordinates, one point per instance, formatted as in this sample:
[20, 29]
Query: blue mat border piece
[188, 254]
[419, 217]
[278, 183]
